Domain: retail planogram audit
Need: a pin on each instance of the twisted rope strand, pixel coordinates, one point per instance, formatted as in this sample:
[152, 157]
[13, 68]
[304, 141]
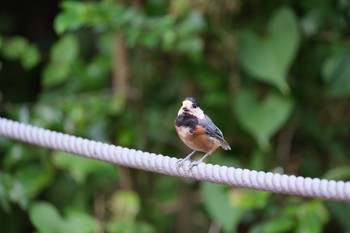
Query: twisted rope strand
[307, 187]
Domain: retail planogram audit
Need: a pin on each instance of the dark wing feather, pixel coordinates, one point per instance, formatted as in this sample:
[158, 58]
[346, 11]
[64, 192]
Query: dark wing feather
[211, 128]
[213, 131]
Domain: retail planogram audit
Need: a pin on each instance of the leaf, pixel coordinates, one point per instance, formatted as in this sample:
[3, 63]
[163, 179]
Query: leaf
[194, 22]
[269, 58]
[31, 57]
[336, 74]
[341, 212]
[79, 222]
[72, 17]
[125, 205]
[13, 48]
[63, 55]
[216, 201]
[129, 226]
[338, 173]
[80, 168]
[66, 50]
[262, 119]
[18, 194]
[33, 180]
[18, 48]
[312, 216]
[5, 186]
[248, 199]
[276, 225]
[45, 217]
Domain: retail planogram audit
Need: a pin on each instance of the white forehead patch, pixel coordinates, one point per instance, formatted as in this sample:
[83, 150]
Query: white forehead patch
[194, 111]
[187, 104]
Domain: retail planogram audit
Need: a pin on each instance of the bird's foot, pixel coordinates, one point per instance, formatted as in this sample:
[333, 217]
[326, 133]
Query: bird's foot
[192, 164]
[181, 162]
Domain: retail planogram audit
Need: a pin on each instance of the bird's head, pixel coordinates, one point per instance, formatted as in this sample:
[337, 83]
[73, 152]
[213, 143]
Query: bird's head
[191, 106]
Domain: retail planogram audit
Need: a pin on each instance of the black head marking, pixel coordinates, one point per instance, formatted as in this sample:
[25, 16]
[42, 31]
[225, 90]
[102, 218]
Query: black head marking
[193, 100]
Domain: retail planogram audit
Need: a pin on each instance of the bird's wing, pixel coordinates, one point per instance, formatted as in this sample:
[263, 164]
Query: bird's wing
[210, 128]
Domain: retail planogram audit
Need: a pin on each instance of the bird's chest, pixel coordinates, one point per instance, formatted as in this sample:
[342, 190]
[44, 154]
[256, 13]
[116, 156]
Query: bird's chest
[185, 133]
[185, 125]
[195, 139]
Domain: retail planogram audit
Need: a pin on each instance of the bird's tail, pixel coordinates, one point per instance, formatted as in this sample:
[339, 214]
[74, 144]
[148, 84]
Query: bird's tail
[225, 145]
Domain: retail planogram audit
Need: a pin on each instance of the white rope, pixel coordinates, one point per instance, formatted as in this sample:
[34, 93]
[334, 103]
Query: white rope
[327, 189]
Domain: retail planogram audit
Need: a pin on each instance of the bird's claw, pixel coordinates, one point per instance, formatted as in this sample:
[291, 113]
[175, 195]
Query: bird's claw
[180, 163]
[190, 166]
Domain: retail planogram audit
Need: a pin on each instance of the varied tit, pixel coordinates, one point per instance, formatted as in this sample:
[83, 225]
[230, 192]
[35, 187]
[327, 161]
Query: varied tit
[197, 131]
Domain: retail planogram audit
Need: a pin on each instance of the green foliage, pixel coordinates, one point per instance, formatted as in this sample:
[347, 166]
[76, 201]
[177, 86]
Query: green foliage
[151, 32]
[217, 203]
[18, 48]
[338, 173]
[336, 73]
[281, 224]
[276, 74]
[311, 217]
[262, 118]
[82, 168]
[269, 58]
[228, 206]
[308, 217]
[125, 207]
[63, 55]
[46, 218]
[341, 211]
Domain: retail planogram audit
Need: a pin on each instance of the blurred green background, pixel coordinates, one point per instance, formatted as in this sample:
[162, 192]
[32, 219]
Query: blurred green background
[273, 75]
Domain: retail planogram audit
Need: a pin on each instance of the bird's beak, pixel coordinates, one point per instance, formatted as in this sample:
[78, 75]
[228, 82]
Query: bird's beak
[185, 109]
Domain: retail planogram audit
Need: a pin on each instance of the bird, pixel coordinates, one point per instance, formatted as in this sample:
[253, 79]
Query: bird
[197, 131]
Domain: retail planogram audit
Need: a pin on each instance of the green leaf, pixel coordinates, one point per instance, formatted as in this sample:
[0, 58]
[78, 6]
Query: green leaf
[194, 22]
[277, 225]
[5, 187]
[191, 45]
[216, 201]
[125, 205]
[66, 50]
[269, 58]
[33, 180]
[338, 173]
[80, 168]
[73, 16]
[129, 226]
[45, 217]
[31, 57]
[341, 212]
[63, 55]
[312, 216]
[248, 199]
[336, 73]
[79, 222]
[18, 48]
[262, 119]
[12, 190]
[13, 48]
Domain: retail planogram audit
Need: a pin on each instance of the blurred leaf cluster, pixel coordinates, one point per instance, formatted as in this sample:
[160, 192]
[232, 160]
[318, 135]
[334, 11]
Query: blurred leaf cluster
[274, 76]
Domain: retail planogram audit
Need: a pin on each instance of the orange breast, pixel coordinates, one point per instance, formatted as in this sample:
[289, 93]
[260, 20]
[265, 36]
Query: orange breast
[198, 140]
